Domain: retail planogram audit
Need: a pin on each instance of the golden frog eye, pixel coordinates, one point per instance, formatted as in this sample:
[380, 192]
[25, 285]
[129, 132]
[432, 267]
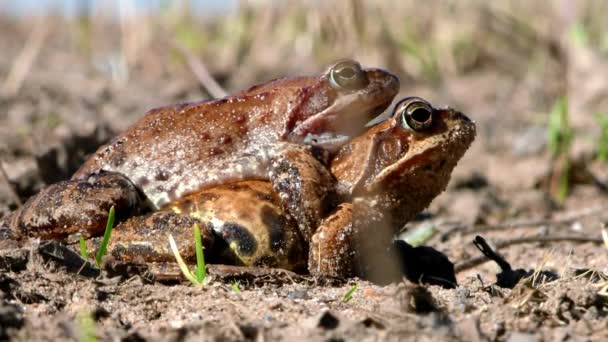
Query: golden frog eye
[415, 113]
[347, 75]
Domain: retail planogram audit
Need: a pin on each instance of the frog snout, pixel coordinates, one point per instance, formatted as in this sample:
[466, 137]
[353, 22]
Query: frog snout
[389, 81]
[461, 116]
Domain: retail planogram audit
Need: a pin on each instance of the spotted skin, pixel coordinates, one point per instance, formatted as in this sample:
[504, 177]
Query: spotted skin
[131, 240]
[241, 224]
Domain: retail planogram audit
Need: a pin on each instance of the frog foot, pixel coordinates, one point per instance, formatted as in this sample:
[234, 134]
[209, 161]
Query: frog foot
[76, 206]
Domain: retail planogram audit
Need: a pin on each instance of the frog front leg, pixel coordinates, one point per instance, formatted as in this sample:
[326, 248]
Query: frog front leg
[331, 250]
[76, 206]
[305, 186]
[353, 241]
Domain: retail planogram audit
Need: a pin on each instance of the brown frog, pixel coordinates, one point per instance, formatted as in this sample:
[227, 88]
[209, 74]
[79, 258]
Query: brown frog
[384, 177]
[270, 132]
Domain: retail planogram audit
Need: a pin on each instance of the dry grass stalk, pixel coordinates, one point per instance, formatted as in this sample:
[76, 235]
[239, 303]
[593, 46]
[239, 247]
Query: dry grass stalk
[26, 58]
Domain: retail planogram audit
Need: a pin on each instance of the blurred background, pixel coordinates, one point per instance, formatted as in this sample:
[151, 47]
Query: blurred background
[532, 74]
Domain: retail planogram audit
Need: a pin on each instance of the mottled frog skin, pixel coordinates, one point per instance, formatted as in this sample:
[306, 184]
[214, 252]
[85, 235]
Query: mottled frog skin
[384, 177]
[278, 131]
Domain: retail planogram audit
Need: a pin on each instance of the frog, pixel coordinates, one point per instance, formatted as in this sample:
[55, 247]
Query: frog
[383, 178]
[277, 131]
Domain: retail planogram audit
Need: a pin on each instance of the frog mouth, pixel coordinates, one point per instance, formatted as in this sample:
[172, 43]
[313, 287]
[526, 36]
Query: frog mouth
[328, 141]
[330, 130]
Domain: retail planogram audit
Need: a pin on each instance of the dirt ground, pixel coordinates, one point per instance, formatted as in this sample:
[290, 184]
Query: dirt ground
[70, 103]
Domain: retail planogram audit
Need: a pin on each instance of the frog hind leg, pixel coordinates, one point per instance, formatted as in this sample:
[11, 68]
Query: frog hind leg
[76, 206]
[146, 238]
[241, 224]
[305, 186]
[250, 225]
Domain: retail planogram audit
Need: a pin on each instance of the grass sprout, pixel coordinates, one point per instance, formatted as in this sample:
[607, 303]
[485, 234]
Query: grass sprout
[197, 278]
[86, 329]
[579, 34]
[560, 133]
[201, 271]
[602, 146]
[236, 287]
[349, 294]
[106, 238]
[560, 136]
[419, 235]
[84, 253]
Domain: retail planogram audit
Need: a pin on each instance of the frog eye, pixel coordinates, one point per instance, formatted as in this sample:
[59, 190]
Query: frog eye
[416, 114]
[347, 75]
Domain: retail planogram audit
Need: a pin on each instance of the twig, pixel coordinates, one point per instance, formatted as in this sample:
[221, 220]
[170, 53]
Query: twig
[201, 72]
[24, 61]
[474, 261]
[526, 223]
[12, 191]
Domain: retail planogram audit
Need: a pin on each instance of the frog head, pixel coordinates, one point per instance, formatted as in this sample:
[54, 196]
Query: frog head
[399, 165]
[329, 109]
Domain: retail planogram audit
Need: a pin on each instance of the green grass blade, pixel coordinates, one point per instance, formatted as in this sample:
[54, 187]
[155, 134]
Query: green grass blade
[86, 329]
[349, 294]
[236, 287]
[84, 253]
[419, 235]
[560, 133]
[180, 262]
[106, 237]
[201, 271]
[564, 182]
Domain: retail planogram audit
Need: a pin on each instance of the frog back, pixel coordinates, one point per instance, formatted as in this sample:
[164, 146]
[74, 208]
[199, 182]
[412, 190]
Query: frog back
[178, 149]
